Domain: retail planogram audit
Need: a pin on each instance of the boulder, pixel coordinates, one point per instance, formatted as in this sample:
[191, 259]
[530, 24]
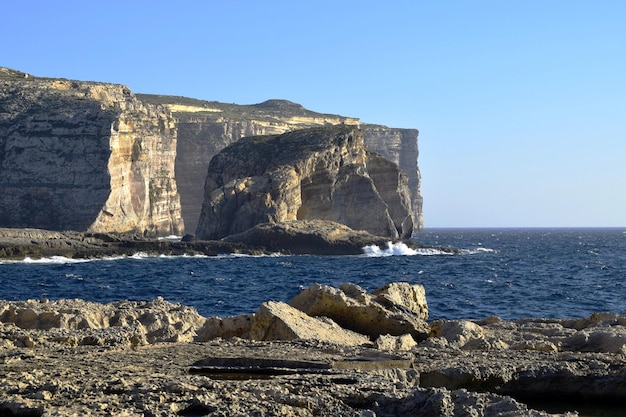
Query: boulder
[388, 342]
[317, 173]
[226, 327]
[394, 309]
[279, 321]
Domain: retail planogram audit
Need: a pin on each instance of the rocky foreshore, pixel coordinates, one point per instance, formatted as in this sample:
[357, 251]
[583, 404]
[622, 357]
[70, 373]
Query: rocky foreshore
[314, 237]
[330, 351]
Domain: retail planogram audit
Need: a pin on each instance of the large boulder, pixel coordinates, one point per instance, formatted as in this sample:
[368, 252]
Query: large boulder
[395, 309]
[279, 321]
[319, 173]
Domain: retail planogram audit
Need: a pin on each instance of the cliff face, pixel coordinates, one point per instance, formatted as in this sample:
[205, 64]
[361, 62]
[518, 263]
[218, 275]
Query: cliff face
[85, 156]
[318, 173]
[205, 128]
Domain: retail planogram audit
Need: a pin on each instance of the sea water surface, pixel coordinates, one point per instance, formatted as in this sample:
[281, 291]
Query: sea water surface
[511, 273]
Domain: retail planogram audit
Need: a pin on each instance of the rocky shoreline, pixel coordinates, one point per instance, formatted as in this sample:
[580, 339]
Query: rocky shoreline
[305, 358]
[313, 237]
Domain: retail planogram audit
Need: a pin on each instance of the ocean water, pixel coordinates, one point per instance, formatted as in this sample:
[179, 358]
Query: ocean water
[511, 273]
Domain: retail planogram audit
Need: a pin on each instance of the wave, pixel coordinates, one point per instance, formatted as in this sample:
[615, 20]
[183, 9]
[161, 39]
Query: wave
[61, 260]
[171, 238]
[401, 249]
[474, 251]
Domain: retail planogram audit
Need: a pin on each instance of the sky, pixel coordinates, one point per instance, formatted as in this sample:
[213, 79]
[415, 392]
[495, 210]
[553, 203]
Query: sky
[521, 105]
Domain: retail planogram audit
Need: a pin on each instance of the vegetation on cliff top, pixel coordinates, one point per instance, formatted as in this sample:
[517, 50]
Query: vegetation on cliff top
[268, 110]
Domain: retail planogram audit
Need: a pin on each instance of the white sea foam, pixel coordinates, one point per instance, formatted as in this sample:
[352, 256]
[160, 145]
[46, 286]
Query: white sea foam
[400, 249]
[474, 251]
[52, 260]
[172, 238]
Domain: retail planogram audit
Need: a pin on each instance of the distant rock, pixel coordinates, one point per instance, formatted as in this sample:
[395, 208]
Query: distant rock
[318, 173]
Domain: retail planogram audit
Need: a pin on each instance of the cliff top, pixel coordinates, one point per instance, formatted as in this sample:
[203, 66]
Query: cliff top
[268, 110]
[11, 74]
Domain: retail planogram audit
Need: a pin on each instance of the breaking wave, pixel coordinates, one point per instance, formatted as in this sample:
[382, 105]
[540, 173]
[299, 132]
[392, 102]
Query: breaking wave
[401, 249]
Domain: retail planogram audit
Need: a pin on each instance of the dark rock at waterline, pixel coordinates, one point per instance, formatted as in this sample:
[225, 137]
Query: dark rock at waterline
[314, 237]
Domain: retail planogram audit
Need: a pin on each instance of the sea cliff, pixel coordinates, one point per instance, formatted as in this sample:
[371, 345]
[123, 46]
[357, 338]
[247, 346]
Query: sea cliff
[322, 173]
[82, 156]
[94, 157]
[206, 127]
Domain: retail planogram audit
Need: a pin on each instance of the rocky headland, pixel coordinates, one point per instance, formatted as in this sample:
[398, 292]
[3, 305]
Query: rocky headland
[206, 127]
[95, 157]
[308, 174]
[330, 351]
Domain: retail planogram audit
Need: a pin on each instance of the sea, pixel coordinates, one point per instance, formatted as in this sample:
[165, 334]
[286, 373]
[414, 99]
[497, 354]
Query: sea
[509, 273]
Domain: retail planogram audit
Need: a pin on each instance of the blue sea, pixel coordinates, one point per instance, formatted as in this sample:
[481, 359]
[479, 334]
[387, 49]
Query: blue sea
[510, 273]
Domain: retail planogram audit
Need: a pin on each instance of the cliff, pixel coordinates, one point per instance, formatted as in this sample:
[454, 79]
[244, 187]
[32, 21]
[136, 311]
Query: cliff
[323, 173]
[206, 127]
[85, 156]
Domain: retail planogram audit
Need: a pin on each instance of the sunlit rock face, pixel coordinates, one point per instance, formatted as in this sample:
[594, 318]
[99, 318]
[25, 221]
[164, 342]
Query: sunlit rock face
[205, 128]
[318, 173]
[85, 156]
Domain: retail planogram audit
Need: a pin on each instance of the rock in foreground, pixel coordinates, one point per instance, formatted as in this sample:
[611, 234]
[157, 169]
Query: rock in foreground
[71, 357]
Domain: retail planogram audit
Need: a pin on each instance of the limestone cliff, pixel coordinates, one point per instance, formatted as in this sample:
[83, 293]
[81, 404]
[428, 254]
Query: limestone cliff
[323, 173]
[206, 127]
[85, 156]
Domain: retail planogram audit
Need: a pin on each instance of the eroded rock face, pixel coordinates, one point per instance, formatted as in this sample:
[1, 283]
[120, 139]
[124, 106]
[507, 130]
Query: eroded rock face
[78, 322]
[205, 128]
[85, 156]
[319, 173]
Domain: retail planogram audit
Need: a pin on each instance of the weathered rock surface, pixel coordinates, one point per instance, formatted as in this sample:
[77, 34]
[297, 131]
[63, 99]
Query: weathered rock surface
[85, 156]
[319, 173]
[18, 244]
[395, 309]
[205, 128]
[69, 357]
[318, 237]
[279, 321]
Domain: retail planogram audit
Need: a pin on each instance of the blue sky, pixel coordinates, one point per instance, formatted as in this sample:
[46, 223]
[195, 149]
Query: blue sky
[521, 105]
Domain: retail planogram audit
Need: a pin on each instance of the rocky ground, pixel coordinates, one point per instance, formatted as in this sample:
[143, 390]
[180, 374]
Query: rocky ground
[72, 357]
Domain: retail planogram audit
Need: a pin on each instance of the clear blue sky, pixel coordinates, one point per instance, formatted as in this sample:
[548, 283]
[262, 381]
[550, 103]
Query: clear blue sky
[521, 105]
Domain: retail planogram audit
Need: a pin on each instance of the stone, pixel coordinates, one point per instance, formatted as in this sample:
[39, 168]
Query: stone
[373, 314]
[457, 333]
[226, 327]
[388, 342]
[317, 173]
[125, 322]
[279, 321]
